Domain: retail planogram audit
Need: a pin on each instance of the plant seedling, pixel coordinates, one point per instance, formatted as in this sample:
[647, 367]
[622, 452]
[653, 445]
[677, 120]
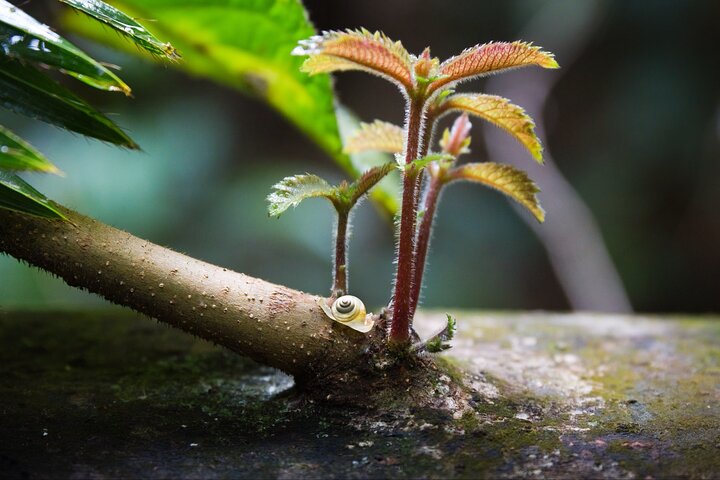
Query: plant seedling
[427, 85]
[290, 191]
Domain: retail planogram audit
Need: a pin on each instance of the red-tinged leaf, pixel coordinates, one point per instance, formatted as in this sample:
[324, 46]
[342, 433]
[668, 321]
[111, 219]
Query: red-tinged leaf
[491, 58]
[357, 50]
[509, 180]
[456, 141]
[378, 136]
[500, 112]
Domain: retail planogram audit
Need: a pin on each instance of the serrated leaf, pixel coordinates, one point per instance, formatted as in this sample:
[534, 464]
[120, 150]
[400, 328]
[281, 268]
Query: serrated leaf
[509, 180]
[500, 112]
[490, 58]
[290, 191]
[17, 155]
[27, 91]
[124, 24]
[377, 136]
[24, 38]
[18, 195]
[357, 50]
[368, 180]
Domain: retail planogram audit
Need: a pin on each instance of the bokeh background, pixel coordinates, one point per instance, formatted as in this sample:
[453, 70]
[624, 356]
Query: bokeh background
[631, 122]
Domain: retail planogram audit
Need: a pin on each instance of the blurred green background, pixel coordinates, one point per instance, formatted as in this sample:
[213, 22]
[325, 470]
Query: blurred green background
[632, 121]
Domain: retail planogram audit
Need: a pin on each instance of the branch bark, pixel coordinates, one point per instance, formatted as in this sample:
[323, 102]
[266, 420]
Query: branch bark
[272, 324]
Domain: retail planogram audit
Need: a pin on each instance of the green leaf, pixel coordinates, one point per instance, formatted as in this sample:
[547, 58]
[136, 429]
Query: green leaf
[509, 180]
[290, 191]
[16, 154]
[247, 44]
[124, 24]
[368, 180]
[438, 342]
[423, 162]
[24, 38]
[27, 91]
[17, 195]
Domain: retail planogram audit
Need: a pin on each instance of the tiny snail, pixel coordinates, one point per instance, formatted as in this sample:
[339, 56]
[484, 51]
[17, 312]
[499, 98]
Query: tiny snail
[349, 311]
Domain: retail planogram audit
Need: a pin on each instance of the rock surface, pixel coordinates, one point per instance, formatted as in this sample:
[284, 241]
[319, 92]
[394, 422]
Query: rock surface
[114, 395]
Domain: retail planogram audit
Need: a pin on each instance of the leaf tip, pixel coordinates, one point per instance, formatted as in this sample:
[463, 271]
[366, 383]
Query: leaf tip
[550, 62]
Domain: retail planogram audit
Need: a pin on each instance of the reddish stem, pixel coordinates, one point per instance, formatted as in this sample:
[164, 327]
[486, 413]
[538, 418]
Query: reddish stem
[402, 315]
[340, 274]
[423, 238]
[423, 151]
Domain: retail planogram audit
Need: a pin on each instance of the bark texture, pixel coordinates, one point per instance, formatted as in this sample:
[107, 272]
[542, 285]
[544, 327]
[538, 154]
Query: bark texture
[272, 324]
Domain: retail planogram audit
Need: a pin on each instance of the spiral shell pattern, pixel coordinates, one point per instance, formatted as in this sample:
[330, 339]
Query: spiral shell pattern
[349, 311]
[348, 308]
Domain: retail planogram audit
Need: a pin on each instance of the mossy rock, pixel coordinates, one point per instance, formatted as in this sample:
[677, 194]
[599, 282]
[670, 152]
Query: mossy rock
[114, 395]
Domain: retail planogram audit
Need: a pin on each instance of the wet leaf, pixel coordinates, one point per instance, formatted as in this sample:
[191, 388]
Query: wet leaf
[489, 58]
[509, 180]
[377, 136]
[18, 195]
[24, 38]
[500, 112]
[17, 155]
[124, 24]
[357, 50]
[27, 91]
[290, 191]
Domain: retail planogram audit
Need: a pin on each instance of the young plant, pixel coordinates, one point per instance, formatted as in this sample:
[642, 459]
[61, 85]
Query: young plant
[290, 191]
[427, 84]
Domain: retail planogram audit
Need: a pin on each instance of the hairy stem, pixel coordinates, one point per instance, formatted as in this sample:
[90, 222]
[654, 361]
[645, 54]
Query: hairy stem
[424, 144]
[340, 283]
[274, 325]
[401, 319]
[423, 237]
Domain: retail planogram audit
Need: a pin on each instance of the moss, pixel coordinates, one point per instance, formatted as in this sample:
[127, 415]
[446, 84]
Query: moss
[119, 396]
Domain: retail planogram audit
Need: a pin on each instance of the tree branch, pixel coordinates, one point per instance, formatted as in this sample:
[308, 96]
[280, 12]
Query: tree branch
[271, 324]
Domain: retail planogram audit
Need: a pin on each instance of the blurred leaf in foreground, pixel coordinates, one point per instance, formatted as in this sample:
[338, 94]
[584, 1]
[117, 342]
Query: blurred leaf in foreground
[26, 91]
[25, 39]
[16, 194]
[125, 25]
[247, 44]
[16, 154]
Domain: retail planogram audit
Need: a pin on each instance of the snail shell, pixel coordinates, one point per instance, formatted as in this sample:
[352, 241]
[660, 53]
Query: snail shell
[349, 311]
